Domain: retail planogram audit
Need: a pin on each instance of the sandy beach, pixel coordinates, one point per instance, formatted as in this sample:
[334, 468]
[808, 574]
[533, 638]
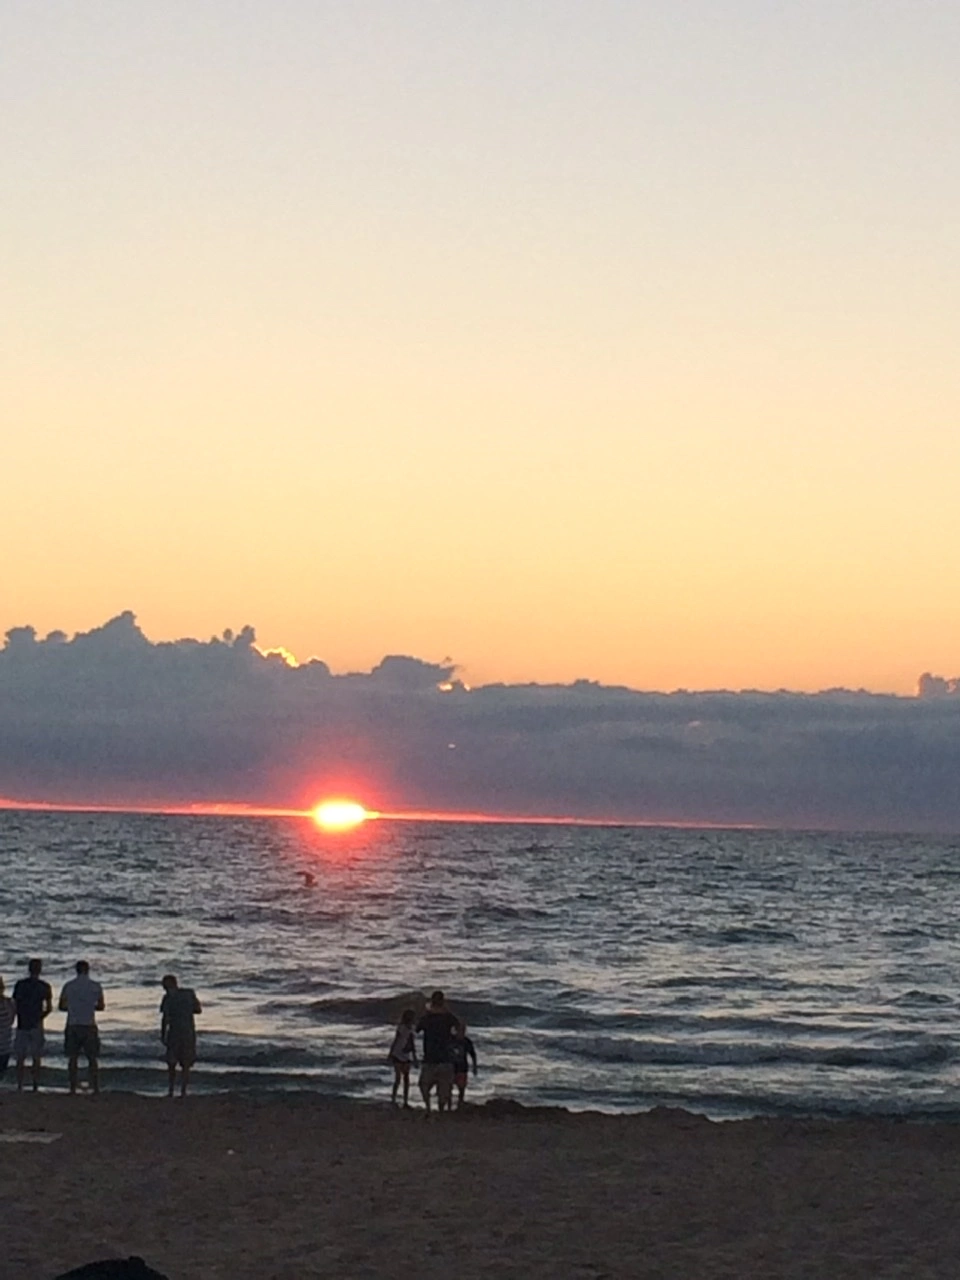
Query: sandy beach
[269, 1187]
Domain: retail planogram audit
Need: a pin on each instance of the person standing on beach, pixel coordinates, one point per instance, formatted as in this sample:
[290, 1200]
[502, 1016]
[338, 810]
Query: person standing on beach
[8, 1011]
[461, 1048]
[178, 1031]
[437, 1025]
[34, 1000]
[403, 1053]
[82, 998]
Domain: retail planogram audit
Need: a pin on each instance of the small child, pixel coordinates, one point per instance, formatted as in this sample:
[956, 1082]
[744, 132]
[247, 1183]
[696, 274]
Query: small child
[402, 1053]
[461, 1048]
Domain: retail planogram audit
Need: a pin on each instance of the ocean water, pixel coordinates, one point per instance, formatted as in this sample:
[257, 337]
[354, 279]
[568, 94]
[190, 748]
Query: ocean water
[729, 972]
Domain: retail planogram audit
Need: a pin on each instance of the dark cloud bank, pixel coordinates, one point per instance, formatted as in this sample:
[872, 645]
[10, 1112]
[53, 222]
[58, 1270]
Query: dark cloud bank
[110, 717]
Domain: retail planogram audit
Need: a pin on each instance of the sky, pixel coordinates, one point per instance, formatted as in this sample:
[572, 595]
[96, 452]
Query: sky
[610, 341]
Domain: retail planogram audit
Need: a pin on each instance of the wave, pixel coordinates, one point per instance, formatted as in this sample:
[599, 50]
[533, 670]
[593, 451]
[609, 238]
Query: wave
[385, 1010]
[748, 982]
[691, 1025]
[503, 911]
[291, 982]
[717, 1104]
[259, 913]
[922, 998]
[919, 1054]
[741, 935]
[729, 1105]
[273, 1057]
[213, 1079]
[920, 934]
[381, 1010]
[224, 1051]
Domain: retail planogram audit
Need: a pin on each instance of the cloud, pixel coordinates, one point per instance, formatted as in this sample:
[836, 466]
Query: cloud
[109, 716]
[929, 686]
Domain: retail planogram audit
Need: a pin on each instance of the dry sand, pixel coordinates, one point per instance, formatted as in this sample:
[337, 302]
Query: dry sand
[268, 1187]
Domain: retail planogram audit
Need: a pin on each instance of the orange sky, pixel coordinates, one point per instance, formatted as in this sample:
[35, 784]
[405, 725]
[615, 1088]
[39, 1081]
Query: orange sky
[617, 345]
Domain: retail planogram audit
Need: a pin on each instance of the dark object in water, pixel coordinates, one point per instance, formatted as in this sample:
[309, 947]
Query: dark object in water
[113, 1269]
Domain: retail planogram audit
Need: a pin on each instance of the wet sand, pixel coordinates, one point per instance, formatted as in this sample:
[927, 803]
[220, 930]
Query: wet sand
[248, 1186]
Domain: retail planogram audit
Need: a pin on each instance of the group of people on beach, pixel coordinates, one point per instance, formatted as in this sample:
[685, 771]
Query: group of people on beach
[447, 1051]
[82, 999]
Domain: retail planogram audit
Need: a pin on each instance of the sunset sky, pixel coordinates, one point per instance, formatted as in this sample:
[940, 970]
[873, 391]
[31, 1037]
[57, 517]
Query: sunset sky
[582, 339]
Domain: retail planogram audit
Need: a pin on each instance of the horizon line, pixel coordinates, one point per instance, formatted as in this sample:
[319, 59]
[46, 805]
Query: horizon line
[225, 809]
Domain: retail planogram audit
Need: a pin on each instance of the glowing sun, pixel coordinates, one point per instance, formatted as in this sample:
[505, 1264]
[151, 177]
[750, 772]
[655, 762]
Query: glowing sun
[339, 815]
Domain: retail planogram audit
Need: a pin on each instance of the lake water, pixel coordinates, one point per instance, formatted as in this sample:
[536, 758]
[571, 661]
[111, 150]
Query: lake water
[729, 972]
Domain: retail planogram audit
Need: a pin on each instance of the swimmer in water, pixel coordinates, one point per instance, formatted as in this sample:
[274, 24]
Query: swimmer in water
[309, 879]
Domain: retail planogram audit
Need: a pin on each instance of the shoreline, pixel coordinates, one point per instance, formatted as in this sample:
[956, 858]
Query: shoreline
[497, 1105]
[253, 1185]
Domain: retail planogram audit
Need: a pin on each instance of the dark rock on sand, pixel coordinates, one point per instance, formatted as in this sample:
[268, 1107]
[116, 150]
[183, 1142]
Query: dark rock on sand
[113, 1269]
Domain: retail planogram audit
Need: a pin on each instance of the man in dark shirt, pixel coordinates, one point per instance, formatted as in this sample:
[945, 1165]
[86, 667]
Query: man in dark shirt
[437, 1024]
[34, 1000]
[178, 1031]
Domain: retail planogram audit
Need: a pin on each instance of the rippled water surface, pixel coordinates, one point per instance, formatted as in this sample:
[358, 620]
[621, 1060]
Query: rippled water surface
[729, 972]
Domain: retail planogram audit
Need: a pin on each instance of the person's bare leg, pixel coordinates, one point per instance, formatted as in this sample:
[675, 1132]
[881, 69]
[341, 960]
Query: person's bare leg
[461, 1090]
[184, 1079]
[21, 1063]
[425, 1090]
[72, 1071]
[171, 1078]
[406, 1089]
[94, 1075]
[36, 1074]
[396, 1083]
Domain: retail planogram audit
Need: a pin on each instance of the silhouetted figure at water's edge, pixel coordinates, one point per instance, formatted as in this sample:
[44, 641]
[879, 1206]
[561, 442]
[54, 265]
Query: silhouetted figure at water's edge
[178, 1031]
[403, 1055]
[461, 1049]
[82, 999]
[34, 1000]
[437, 1024]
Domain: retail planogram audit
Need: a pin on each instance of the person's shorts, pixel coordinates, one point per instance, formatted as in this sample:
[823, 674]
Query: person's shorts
[401, 1065]
[181, 1049]
[439, 1075]
[81, 1039]
[460, 1079]
[28, 1044]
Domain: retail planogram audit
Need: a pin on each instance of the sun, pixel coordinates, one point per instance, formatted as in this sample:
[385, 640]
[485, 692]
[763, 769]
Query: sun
[339, 815]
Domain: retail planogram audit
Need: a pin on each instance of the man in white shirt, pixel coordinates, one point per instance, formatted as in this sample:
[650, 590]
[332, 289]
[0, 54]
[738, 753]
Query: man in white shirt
[82, 998]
